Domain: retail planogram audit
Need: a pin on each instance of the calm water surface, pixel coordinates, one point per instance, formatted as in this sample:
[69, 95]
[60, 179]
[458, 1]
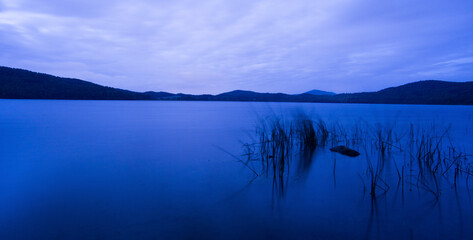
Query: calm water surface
[167, 170]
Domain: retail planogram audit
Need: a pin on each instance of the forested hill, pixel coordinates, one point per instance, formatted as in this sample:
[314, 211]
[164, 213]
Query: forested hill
[23, 84]
[422, 92]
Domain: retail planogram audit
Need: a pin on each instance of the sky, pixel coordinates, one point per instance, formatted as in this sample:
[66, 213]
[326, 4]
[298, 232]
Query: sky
[210, 46]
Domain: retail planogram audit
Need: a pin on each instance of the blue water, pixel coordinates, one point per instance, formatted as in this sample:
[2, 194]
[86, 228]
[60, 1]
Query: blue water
[168, 170]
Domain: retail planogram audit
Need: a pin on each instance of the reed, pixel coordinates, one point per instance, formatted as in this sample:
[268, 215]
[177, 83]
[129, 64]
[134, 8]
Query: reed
[421, 157]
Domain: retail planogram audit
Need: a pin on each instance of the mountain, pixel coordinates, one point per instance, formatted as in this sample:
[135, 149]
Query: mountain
[237, 95]
[240, 95]
[179, 96]
[422, 92]
[320, 92]
[159, 95]
[23, 84]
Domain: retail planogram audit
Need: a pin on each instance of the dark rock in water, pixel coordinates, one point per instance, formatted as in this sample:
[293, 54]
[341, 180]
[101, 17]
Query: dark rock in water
[345, 151]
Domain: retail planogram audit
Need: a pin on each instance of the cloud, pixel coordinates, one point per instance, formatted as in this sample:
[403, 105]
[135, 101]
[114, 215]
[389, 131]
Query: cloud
[458, 61]
[212, 46]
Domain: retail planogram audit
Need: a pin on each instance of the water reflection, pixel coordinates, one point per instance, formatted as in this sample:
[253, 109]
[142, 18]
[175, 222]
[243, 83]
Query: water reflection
[148, 170]
[306, 158]
[403, 176]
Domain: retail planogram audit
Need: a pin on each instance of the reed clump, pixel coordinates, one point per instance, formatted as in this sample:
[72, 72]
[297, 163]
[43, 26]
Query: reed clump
[421, 156]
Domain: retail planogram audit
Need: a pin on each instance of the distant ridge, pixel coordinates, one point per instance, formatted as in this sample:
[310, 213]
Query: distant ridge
[23, 84]
[319, 92]
[422, 92]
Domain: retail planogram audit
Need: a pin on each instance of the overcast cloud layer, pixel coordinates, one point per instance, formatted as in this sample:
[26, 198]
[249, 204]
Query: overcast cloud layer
[215, 46]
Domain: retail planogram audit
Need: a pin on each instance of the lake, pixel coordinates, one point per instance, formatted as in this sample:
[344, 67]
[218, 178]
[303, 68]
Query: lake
[170, 170]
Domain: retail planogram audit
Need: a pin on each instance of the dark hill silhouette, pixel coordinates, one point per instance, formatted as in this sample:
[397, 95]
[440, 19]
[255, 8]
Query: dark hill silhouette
[23, 84]
[422, 92]
[319, 92]
[241, 95]
[159, 95]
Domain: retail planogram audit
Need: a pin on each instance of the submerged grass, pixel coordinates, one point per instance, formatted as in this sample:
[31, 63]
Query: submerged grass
[421, 156]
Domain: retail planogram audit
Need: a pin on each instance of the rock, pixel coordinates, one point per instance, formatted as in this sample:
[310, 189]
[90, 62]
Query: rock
[345, 151]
